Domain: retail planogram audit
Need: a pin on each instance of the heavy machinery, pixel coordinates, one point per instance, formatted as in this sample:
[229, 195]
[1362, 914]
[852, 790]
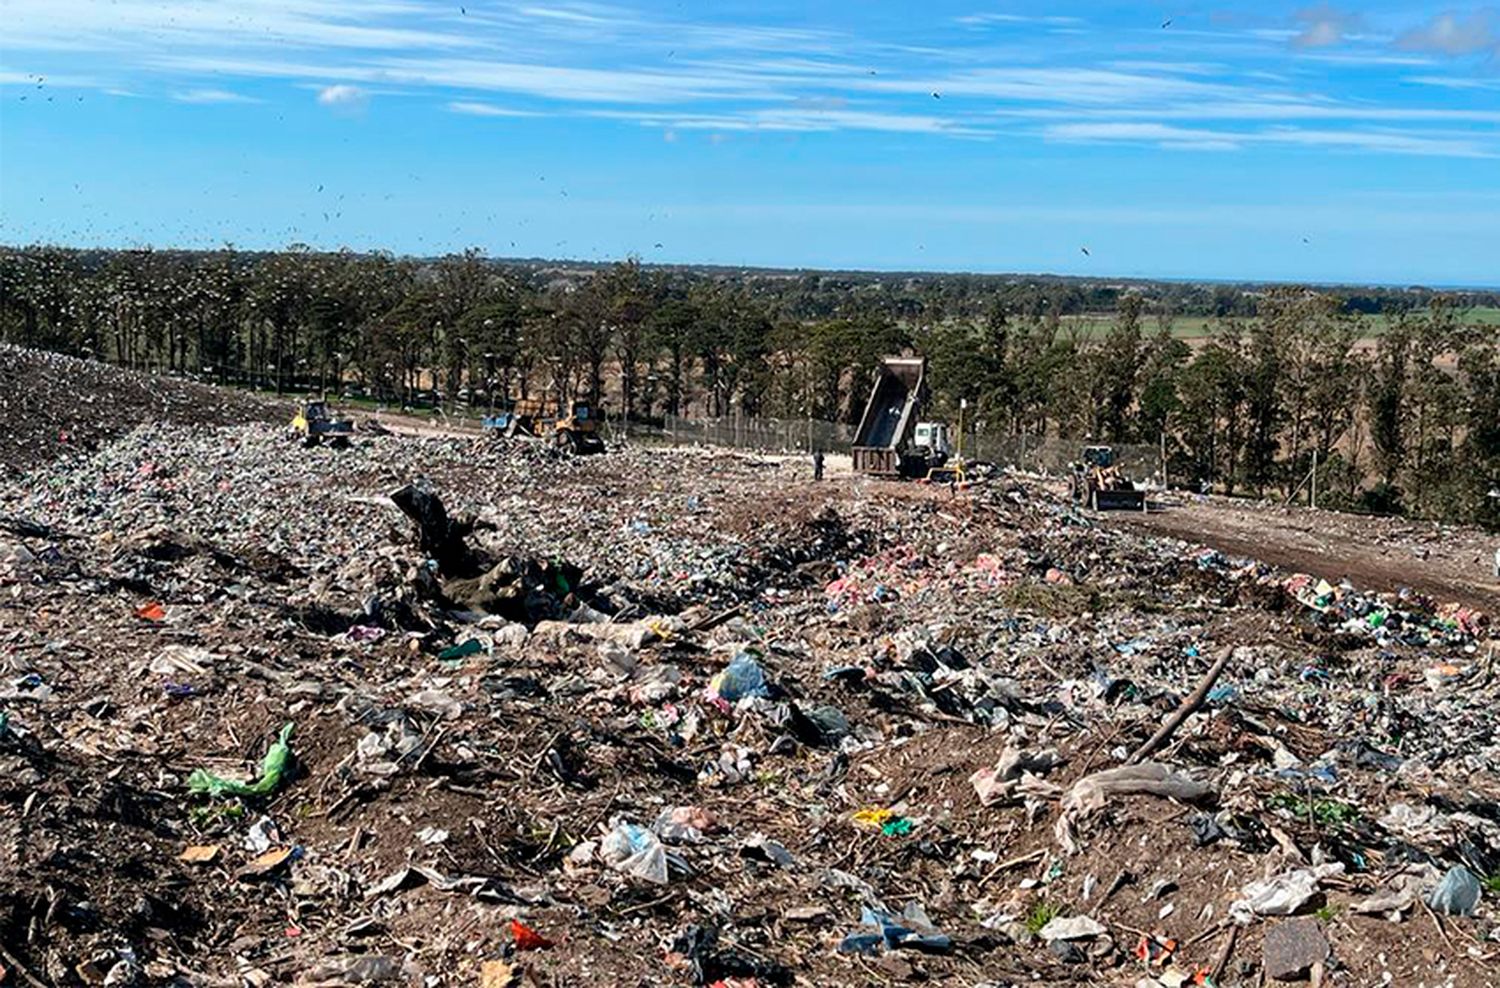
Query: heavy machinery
[890, 441]
[574, 427]
[1099, 485]
[315, 423]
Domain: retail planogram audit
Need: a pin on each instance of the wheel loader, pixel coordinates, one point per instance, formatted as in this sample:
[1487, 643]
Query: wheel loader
[1099, 485]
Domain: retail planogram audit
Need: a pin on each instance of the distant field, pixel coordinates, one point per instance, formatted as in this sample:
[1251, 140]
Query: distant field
[1198, 327]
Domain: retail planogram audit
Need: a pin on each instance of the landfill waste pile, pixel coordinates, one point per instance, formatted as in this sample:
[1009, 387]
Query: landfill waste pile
[449, 711]
[53, 405]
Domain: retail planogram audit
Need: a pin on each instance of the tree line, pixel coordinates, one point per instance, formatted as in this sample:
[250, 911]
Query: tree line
[1395, 393]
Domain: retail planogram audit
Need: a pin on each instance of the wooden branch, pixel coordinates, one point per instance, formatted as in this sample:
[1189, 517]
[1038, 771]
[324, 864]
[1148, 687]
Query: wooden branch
[1193, 701]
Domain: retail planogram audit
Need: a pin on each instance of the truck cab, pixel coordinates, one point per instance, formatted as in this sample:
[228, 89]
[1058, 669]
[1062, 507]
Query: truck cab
[933, 438]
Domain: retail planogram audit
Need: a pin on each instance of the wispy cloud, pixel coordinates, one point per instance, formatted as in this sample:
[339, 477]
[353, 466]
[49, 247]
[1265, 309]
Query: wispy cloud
[982, 19]
[41, 80]
[803, 121]
[1066, 85]
[1455, 34]
[476, 109]
[1323, 26]
[1204, 138]
[207, 96]
[738, 73]
[1455, 82]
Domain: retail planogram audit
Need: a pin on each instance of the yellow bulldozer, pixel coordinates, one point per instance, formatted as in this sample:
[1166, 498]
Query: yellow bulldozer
[574, 426]
[314, 424]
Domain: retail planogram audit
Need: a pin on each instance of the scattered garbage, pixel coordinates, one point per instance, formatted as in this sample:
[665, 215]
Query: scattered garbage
[1016, 773]
[908, 930]
[1092, 793]
[547, 744]
[697, 948]
[1283, 895]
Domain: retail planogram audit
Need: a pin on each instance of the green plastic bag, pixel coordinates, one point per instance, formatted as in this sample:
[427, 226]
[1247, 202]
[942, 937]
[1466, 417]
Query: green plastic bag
[456, 652]
[272, 767]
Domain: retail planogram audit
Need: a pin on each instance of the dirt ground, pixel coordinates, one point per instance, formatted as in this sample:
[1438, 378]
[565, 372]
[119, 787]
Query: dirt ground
[1448, 562]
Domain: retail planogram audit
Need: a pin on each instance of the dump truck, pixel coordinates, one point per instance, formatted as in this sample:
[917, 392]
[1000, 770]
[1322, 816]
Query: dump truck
[890, 440]
[314, 424]
[1099, 485]
[573, 426]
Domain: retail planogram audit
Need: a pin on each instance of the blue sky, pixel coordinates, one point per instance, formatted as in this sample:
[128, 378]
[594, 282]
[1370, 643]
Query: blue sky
[1220, 140]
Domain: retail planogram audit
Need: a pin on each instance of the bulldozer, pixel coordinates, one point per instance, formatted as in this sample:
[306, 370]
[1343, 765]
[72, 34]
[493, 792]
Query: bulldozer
[314, 423]
[1099, 485]
[574, 426]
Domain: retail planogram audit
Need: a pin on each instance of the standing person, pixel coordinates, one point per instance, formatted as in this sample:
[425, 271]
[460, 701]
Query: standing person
[818, 471]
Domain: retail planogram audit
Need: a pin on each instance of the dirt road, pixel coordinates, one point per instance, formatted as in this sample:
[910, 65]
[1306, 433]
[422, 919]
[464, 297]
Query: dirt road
[1385, 554]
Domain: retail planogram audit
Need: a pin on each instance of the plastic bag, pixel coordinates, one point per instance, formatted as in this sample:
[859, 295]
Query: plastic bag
[635, 851]
[272, 767]
[741, 678]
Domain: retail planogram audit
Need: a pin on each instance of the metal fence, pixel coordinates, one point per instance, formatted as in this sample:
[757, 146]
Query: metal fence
[1055, 454]
[1028, 453]
[767, 435]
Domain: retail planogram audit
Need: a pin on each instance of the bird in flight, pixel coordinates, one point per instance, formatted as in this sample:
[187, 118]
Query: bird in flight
[1085, 252]
[1166, 23]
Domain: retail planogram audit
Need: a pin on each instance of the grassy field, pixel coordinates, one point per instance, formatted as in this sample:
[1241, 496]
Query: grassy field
[1199, 327]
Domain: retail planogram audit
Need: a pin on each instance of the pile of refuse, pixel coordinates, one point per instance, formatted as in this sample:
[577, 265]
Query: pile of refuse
[435, 711]
[54, 405]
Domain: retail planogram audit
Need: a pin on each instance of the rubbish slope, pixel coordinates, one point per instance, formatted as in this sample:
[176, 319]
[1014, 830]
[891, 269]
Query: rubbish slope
[53, 405]
[683, 717]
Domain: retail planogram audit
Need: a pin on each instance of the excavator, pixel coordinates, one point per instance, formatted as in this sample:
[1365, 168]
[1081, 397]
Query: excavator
[1099, 485]
[315, 423]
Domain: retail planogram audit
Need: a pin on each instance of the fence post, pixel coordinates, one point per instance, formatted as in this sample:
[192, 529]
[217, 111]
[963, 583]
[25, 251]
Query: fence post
[1164, 484]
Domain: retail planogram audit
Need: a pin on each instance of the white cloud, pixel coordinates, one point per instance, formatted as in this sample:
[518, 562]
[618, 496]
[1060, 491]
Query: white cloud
[342, 96]
[801, 121]
[476, 109]
[519, 57]
[979, 20]
[1271, 110]
[1455, 34]
[1454, 82]
[1189, 137]
[123, 25]
[1323, 26]
[1060, 85]
[207, 96]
